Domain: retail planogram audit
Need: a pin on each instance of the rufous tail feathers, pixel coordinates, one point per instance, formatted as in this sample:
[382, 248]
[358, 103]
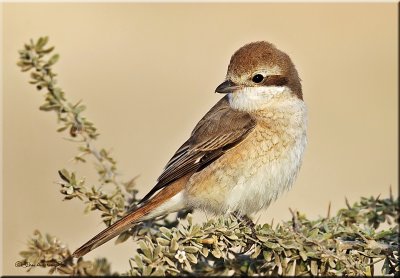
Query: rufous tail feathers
[168, 200]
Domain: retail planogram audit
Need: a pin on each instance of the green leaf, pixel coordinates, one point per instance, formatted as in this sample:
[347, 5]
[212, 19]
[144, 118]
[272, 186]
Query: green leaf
[138, 261]
[332, 263]
[204, 251]
[267, 256]
[145, 249]
[147, 270]
[191, 249]
[303, 255]
[47, 107]
[79, 109]
[163, 241]
[383, 234]
[123, 237]
[42, 41]
[262, 238]
[216, 253]
[160, 271]
[47, 51]
[168, 261]
[36, 76]
[192, 258]
[257, 251]
[271, 245]
[314, 267]
[174, 246]
[53, 60]
[61, 129]
[64, 175]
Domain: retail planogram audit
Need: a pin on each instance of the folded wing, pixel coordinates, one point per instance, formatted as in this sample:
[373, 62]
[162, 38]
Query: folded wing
[218, 131]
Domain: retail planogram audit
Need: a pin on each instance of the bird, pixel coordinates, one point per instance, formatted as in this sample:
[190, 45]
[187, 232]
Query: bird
[242, 155]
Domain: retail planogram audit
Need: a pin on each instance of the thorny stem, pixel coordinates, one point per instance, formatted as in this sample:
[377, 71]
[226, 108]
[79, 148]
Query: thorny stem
[32, 58]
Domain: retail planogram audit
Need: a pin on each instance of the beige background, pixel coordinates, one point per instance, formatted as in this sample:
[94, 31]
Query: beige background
[147, 73]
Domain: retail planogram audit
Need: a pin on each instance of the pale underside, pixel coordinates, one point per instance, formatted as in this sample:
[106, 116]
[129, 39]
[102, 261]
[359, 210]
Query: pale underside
[253, 173]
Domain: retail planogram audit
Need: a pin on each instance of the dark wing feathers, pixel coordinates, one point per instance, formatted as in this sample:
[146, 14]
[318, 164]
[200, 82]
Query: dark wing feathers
[218, 131]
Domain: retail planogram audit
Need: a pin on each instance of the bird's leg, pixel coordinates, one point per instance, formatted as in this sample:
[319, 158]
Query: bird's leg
[246, 221]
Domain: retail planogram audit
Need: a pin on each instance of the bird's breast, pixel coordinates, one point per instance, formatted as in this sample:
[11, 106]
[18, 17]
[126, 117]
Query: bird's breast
[254, 173]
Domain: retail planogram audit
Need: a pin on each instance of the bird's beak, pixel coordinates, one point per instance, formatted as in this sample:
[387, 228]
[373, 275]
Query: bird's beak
[226, 87]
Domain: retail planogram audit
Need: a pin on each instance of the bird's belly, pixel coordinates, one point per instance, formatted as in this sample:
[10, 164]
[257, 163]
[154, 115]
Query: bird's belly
[248, 178]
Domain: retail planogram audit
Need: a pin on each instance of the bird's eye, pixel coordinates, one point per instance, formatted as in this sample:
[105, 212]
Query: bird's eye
[257, 78]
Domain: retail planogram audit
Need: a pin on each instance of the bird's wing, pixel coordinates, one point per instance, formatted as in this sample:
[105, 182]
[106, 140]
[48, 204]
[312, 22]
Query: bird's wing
[218, 131]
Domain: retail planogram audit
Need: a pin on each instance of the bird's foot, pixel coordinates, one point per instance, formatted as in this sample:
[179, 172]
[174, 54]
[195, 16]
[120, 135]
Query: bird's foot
[244, 219]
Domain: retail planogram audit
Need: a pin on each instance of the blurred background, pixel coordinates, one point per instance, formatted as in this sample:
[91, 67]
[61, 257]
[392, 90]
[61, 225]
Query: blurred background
[147, 73]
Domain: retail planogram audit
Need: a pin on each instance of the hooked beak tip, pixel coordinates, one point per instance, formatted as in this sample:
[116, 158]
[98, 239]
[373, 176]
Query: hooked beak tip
[226, 87]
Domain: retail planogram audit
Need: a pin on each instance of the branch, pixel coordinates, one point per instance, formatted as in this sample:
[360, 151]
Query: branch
[327, 246]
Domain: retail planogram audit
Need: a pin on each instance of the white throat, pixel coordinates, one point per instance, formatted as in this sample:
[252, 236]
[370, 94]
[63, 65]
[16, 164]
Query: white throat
[255, 98]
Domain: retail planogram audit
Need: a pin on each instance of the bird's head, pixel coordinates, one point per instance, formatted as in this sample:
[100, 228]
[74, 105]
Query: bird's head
[257, 74]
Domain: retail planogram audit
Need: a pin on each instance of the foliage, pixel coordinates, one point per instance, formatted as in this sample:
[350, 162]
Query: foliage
[48, 251]
[349, 243]
[228, 246]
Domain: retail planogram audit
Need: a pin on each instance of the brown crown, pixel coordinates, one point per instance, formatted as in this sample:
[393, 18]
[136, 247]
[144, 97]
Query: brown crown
[260, 54]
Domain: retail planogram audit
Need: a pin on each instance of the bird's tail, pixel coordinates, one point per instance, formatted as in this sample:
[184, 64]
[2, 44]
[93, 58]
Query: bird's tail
[168, 200]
